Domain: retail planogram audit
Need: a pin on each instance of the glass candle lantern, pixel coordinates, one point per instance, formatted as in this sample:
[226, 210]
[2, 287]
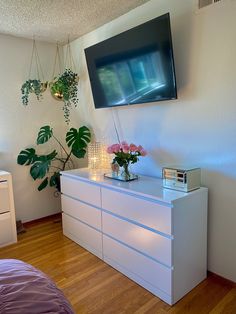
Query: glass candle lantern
[94, 155]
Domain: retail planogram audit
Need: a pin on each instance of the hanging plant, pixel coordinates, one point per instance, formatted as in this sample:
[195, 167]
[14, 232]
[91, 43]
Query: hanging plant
[65, 89]
[33, 86]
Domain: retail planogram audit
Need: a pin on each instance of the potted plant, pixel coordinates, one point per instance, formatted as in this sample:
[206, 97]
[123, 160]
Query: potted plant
[32, 86]
[48, 166]
[125, 155]
[65, 88]
[36, 85]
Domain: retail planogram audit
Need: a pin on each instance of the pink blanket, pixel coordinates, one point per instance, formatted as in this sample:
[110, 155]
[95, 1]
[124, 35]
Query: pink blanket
[26, 290]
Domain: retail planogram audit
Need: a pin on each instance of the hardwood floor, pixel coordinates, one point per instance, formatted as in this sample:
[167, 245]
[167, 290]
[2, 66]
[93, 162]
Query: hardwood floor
[94, 287]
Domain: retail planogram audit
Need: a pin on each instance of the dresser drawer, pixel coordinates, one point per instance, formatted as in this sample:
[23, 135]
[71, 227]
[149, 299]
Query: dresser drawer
[82, 234]
[87, 192]
[152, 272]
[145, 212]
[86, 213]
[4, 197]
[6, 229]
[141, 239]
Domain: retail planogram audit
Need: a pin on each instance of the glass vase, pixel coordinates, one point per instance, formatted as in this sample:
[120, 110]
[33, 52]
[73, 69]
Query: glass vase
[125, 173]
[121, 173]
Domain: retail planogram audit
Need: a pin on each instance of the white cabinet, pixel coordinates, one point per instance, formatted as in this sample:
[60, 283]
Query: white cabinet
[156, 237]
[4, 196]
[7, 210]
[81, 218]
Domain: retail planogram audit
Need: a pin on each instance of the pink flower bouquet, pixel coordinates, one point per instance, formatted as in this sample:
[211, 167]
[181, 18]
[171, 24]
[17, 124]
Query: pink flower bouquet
[126, 154]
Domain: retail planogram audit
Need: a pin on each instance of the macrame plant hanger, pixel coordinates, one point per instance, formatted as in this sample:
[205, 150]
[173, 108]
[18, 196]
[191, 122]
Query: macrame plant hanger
[34, 84]
[39, 71]
[73, 78]
[69, 61]
[56, 94]
[65, 86]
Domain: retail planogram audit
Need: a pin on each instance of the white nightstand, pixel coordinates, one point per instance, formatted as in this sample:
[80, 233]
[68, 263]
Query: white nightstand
[7, 210]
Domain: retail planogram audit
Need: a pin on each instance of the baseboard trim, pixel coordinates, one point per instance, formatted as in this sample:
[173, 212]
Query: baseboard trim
[224, 280]
[54, 217]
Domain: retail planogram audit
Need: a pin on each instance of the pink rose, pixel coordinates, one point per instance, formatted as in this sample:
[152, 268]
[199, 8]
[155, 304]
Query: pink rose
[125, 147]
[143, 152]
[115, 148]
[133, 148]
[139, 148]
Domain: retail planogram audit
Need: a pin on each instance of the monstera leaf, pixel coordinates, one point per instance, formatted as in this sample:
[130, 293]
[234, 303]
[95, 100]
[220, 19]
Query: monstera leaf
[43, 184]
[27, 157]
[40, 168]
[54, 179]
[78, 140]
[45, 133]
[43, 166]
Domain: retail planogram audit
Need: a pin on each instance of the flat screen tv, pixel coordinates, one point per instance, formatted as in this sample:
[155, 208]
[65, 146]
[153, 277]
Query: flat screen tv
[136, 66]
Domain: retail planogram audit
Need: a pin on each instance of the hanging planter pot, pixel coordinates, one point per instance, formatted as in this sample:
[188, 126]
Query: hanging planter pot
[56, 90]
[65, 86]
[33, 86]
[44, 86]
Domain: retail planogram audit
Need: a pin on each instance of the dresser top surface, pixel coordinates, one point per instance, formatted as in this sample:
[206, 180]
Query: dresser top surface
[3, 174]
[145, 186]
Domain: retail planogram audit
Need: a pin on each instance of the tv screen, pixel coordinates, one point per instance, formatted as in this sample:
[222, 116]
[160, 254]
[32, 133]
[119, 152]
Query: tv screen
[136, 66]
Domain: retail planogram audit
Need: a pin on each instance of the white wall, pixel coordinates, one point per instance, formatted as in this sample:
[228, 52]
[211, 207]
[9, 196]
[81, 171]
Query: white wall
[197, 129]
[19, 125]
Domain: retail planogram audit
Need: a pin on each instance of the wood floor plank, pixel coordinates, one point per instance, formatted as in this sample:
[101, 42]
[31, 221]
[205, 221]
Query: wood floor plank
[227, 305]
[94, 287]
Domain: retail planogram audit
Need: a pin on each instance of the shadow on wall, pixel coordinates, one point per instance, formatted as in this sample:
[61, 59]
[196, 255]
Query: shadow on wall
[163, 158]
[6, 160]
[221, 219]
[183, 38]
[157, 159]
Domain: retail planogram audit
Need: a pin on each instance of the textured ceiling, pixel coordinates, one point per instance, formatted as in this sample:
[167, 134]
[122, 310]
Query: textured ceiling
[53, 20]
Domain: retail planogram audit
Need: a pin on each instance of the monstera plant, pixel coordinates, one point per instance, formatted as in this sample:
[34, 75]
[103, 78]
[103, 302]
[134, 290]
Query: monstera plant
[47, 167]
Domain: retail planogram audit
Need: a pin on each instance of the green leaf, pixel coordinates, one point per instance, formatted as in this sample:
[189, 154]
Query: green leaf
[78, 139]
[54, 179]
[27, 157]
[43, 184]
[79, 153]
[52, 155]
[44, 134]
[32, 86]
[40, 168]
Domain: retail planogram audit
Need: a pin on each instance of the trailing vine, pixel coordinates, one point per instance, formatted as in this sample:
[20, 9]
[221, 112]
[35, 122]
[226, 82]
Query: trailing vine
[66, 88]
[32, 86]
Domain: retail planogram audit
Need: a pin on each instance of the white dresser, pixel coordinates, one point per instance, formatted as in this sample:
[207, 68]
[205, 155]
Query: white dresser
[155, 236]
[7, 210]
